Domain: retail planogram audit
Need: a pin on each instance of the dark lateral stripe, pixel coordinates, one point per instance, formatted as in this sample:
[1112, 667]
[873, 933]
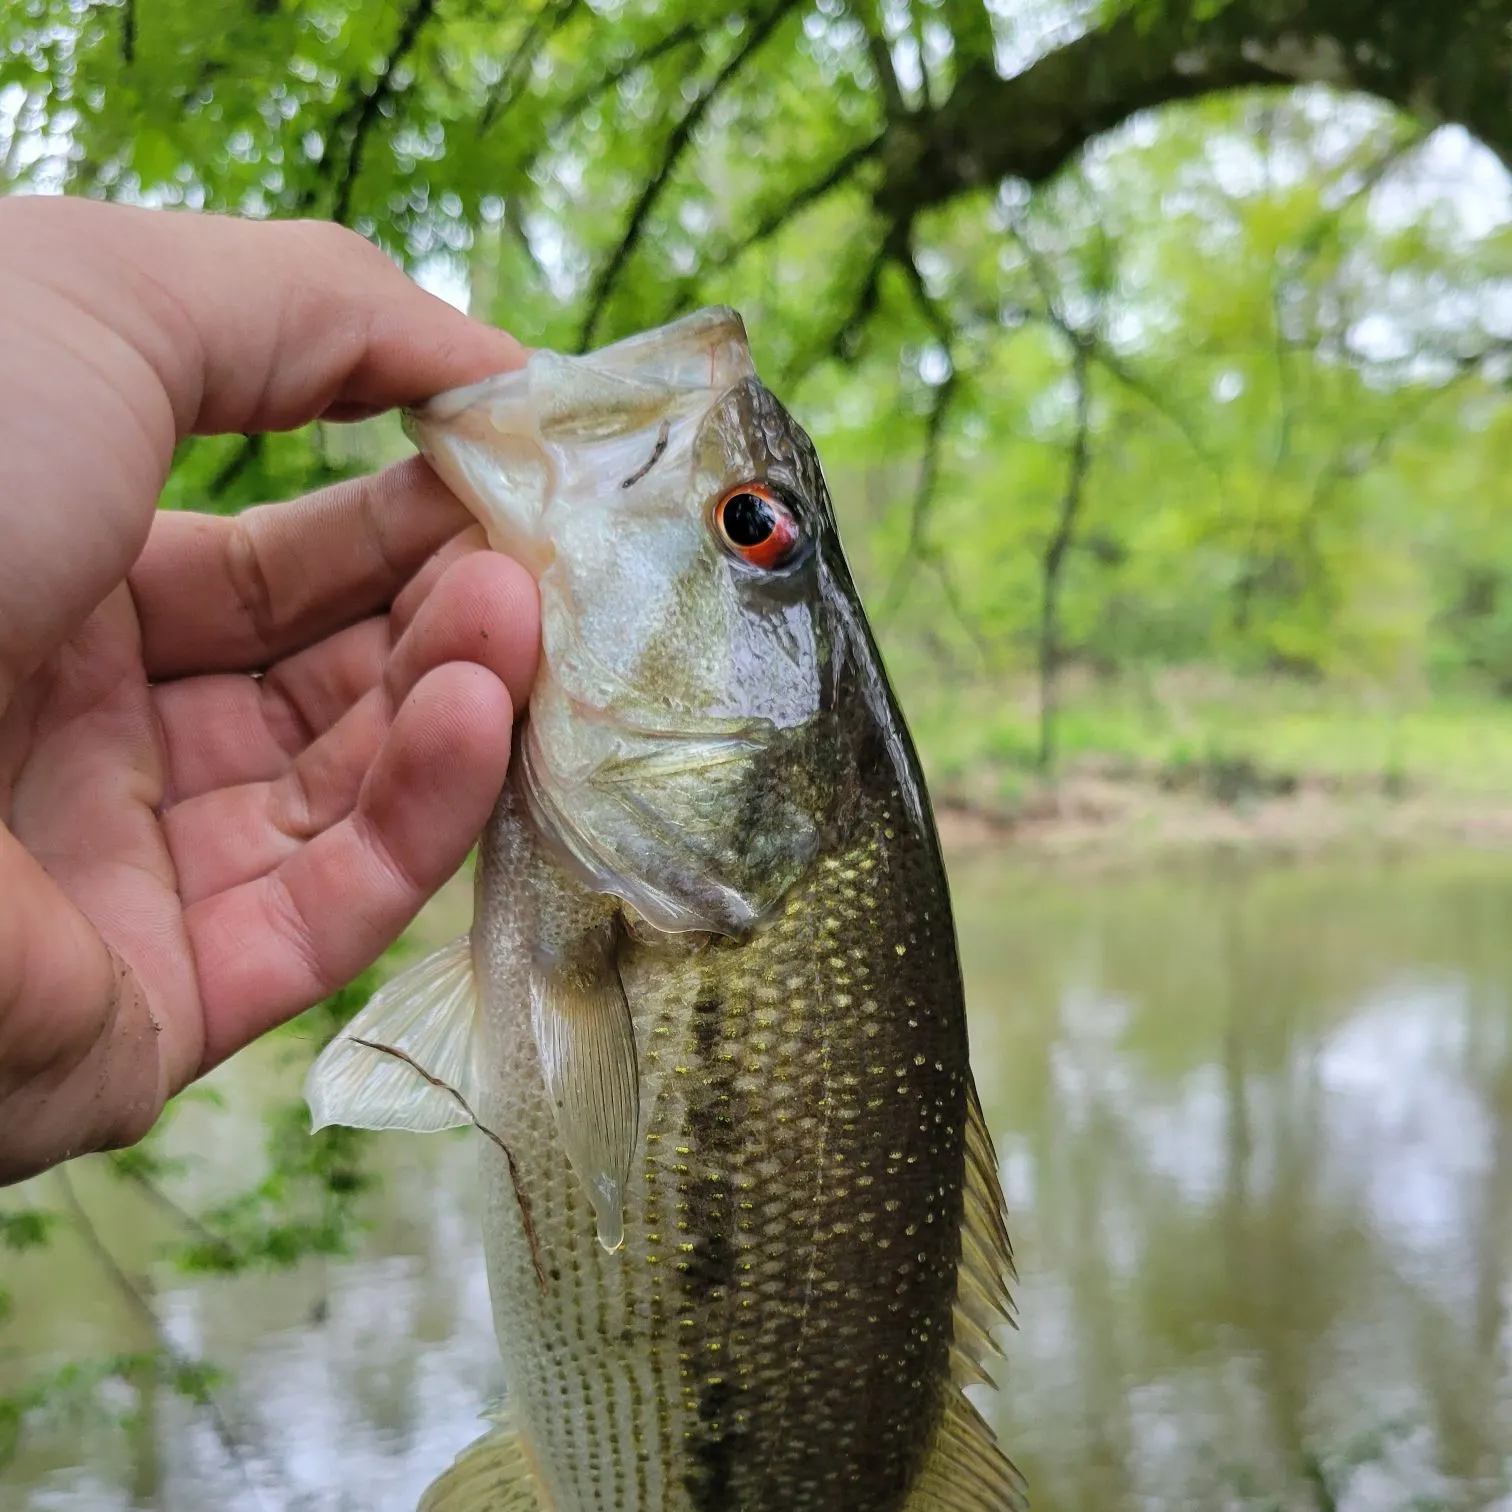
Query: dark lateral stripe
[707, 1276]
[714, 1456]
[707, 1012]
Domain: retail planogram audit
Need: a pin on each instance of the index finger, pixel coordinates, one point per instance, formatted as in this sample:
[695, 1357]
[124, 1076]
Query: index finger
[127, 329]
[257, 325]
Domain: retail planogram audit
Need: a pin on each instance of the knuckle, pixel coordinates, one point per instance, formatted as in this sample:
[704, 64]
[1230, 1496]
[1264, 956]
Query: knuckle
[289, 922]
[248, 573]
[329, 239]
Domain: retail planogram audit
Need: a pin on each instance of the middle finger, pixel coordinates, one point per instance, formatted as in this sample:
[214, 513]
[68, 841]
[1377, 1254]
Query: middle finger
[227, 728]
[484, 609]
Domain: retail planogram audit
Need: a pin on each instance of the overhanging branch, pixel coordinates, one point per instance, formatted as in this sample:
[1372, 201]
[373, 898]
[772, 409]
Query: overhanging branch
[882, 64]
[574, 105]
[186, 1369]
[1058, 547]
[677, 144]
[920, 550]
[357, 119]
[1031, 125]
[541, 27]
[839, 173]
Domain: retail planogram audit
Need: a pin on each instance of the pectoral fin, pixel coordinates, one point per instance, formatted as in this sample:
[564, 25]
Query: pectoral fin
[587, 1047]
[408, 1060]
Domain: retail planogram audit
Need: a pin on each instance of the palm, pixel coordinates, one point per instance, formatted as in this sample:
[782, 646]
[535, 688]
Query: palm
[239, 839]
[235, 756]
[83, 778]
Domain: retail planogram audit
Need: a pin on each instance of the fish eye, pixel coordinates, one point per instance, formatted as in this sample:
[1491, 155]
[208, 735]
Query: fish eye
[755, 524]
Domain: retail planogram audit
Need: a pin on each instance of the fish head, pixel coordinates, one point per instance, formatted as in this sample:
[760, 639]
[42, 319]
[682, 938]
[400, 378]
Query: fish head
[693, 612]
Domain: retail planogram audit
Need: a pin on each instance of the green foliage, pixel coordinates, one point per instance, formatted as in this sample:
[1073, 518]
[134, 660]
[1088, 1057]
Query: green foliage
[68, 1394]
[1296, 400]
[1272, 326]
[21, 1228]
[274, 1224]
[306, 1202]
[25, 1228]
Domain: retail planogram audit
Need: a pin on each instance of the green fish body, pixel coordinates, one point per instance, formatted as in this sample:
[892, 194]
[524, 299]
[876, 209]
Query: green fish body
[745, 1237]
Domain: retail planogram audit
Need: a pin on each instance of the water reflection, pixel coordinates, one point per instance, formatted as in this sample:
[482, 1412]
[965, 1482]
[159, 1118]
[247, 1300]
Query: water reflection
[1256, 1130]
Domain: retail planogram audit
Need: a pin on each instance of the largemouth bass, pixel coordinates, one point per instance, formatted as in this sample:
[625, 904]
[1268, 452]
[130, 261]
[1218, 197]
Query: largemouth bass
[746, 1244]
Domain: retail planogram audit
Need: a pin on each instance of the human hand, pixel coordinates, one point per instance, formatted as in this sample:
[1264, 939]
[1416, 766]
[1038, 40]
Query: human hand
[190, 855]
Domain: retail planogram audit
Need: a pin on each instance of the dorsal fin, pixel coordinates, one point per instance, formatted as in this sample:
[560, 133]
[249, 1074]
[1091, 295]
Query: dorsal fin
[965, 1470]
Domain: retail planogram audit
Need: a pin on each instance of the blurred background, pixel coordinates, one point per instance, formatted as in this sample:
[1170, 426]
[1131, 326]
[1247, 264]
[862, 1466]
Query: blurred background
[1158, 352]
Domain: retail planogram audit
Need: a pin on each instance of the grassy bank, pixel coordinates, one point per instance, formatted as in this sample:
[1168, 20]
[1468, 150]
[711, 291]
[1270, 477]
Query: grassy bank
[1194, 757]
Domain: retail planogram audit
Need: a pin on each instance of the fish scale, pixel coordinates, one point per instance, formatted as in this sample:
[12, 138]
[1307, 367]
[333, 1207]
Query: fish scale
[745, 1238]
[789, 1205]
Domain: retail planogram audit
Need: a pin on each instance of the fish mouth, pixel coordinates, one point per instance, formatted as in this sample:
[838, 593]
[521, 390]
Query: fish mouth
[500, 444]
[448, 404]
[707, 349]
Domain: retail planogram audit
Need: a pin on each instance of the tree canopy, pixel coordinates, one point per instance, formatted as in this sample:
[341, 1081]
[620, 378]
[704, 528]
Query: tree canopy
[1134, 334]
[1137, 330]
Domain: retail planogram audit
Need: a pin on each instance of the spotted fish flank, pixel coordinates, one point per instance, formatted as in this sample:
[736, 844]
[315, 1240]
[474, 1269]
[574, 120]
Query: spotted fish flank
[745, 1238]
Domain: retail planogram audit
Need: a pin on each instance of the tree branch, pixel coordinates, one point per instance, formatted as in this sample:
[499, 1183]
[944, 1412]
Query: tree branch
[1056, 549]
[929, 307]
[916, 29]
[502, 95]
[357, 120]
[185, 1367]
[774, 220]
[514, 227]
[1309, 249]
[677, 144]
[214, 1243]
[893, 104]
[1030, 125]
[575, 104]
[1041, 277]
[1346, 463]
[246, 453]
[845, 341]
[1115, 368]
[920, 550]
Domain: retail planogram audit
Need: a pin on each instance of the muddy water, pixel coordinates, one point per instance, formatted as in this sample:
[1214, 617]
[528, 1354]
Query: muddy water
[1255, 1127]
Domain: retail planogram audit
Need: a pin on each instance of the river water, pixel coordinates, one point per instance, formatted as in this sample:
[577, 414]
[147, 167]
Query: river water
[1255, 1128]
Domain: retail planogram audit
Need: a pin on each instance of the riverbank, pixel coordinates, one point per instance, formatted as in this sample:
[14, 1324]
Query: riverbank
[1193, 759]
[1097, 817]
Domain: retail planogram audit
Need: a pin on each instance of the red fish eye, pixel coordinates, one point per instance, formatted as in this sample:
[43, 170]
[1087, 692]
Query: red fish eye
[756, 525]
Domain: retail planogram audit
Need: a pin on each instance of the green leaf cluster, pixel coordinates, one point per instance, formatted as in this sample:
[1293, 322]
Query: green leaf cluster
[1243, 355]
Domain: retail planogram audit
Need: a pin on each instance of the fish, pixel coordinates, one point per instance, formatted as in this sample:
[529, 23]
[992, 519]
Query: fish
[746, 1243]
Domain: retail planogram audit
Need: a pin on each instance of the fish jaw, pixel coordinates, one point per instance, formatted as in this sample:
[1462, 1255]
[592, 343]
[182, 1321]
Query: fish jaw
[481, 443]
[705, 349]
[672, 678]
[509, 445]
